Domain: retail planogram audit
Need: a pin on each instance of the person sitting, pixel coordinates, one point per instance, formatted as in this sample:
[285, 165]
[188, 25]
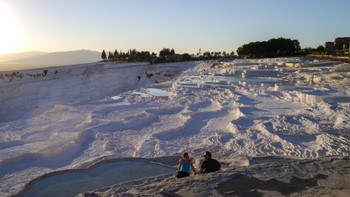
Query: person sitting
[185, 166]
[209, 165]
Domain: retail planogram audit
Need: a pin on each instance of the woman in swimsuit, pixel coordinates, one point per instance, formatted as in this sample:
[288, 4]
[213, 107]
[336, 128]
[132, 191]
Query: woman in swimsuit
[185, 166]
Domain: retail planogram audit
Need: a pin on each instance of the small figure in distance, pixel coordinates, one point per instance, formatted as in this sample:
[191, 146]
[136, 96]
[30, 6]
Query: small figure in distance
[209, 165]
[185, 166]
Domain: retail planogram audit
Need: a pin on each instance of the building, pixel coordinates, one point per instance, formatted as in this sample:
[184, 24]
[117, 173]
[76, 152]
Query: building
[329, 46]
[340, 45]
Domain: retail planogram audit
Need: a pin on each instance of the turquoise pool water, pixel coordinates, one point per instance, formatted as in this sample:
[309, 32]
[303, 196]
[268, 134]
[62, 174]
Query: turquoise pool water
[73, 183]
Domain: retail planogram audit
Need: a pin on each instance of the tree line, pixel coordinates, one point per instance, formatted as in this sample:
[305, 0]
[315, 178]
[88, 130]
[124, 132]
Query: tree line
[164, 55]
[320, 50]
[274, 47]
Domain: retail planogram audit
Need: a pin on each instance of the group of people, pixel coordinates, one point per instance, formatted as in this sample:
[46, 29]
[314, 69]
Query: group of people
[186, 165]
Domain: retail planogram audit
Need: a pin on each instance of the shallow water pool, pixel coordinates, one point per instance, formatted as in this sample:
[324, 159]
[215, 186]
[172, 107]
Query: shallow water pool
[235, 79]
[158, 92]
[73, 183]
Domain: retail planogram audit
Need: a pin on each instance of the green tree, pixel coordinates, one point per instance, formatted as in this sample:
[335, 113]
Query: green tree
[297, 45]
[186, 57]
[110, 56]
[165, 52]
[320, 48]
[154, 55]
[207, 55]
[271, 48]
[104, 56]
[116, 54]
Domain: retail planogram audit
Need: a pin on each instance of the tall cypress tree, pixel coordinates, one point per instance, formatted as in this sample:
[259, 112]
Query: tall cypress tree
[110, 56]
[116, 55]
[104, 56]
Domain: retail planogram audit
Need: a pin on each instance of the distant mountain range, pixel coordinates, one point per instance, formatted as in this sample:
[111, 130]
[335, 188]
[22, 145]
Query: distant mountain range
[56, 58]
[17, 56]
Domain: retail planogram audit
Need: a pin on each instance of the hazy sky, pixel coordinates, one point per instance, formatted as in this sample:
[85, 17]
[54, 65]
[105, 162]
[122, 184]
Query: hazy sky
[185, 25]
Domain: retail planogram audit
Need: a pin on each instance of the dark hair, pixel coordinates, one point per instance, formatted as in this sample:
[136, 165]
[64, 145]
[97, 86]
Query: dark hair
[207, 153]
[185, 154]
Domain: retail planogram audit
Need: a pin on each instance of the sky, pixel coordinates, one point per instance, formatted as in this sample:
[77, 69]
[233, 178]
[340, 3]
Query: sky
[185, 25]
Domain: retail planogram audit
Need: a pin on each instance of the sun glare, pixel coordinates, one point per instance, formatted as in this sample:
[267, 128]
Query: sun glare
[10, 34]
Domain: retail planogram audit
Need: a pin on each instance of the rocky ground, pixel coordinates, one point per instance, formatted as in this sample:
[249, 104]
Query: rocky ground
[61, 118]
[269, 176]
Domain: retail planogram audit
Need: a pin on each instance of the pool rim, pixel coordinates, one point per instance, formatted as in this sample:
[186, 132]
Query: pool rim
[92, 166]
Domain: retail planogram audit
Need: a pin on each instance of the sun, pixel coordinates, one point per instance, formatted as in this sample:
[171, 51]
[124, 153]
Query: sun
[10, 34]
